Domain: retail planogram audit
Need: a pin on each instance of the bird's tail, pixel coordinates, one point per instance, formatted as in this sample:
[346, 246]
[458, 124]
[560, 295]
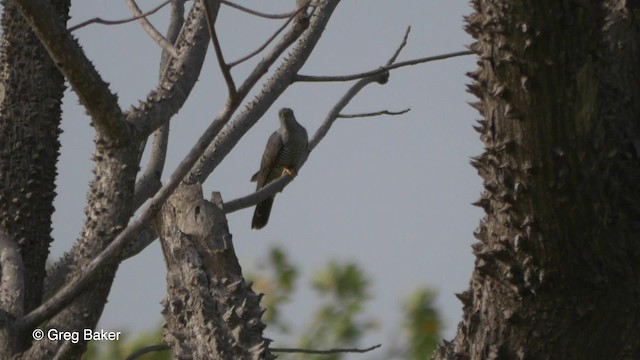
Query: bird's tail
[261, 214]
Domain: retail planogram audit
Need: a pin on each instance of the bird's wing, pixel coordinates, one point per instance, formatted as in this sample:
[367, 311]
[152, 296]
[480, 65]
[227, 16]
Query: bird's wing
[269, 159]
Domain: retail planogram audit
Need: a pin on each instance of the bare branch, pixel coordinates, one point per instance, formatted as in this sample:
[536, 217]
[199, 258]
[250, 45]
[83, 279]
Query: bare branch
[211, 9]
[266, 43]
[257, 13]
[252, 199]
[176, 21]
[383, 69]
[100, 103]
[377, 113]
[346, 98]
[149, 183]
[180, 75]
[98, 20]
[150, 29]
[324, 352]
[399, 49]
[149, 349]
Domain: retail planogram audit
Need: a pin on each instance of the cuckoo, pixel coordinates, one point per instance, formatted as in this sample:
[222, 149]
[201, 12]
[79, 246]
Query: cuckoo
[285, 149]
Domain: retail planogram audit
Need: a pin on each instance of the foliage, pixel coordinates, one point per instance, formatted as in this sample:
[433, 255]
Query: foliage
[344, 291]
[338, 322]
[277, 282]
[422, 324]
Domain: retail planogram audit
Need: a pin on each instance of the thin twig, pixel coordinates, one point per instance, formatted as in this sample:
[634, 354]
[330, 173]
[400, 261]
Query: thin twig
[224, 68]
[151, 30]
[377, 113]
[383, 69]
[98, 20]
[341, 104]
[145, 350]
[258, 13]
[380, 76]
[324, 352]
[399, 49]
[266, 43]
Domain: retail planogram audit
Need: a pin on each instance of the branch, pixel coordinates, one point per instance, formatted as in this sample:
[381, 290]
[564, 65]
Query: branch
[212, 11]
[399, 49]
[341, 104]
[252, 199]
[266, 43]
[58, 274]
[324, 352]
[98, 20]
[176, 21]
[150, 29]
[377, 113]
[383, 69]
[100, 103]
[180, 75]
[145, 350]
[257, 13]
[149, 183]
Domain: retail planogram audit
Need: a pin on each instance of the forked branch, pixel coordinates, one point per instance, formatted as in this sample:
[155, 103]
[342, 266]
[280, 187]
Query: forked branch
[211, 10]
[381, 70]
[150, 29]
[269, 40]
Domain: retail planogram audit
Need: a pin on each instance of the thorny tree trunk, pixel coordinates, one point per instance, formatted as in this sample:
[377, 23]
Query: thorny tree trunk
[203, 275]
[557, 272]
[29, 127]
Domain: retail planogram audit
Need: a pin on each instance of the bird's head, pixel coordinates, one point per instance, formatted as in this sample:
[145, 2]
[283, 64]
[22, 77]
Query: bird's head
[286, 116]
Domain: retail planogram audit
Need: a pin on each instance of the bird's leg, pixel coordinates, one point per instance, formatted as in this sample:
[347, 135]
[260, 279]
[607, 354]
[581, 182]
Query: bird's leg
[289, 171]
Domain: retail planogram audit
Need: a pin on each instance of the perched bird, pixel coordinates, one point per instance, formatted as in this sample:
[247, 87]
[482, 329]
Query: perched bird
[284, 150]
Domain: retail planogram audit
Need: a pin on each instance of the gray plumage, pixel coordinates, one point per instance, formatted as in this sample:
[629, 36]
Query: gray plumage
[284, 150]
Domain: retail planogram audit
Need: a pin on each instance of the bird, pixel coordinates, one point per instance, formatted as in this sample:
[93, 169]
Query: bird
[285, 149]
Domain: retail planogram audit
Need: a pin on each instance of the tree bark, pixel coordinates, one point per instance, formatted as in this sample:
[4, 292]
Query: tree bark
[210, 312]
[557, 272]
[30, 99]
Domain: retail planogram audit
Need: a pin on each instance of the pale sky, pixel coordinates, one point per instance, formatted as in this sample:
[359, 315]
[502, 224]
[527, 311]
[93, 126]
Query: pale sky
[392, 194]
